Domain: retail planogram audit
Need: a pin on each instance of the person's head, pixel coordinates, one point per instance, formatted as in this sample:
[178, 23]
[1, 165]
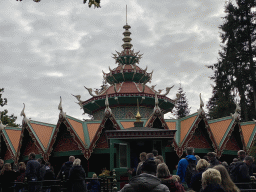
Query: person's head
[149, 166]
[158, 161]
[77, 162]
[197, 158]
[248, 160]
[32, 156]
[201, 165]
[190, 151]
[211, 176]
[150, 156]
[162, 171]
[48, 164]
[235, 160]
[155, 152]
[226, 182]
[6, 167]
[71, 158]
[143, 156]
[40, 161]
[160, 157]
[22, 166]
[241, 154]
[211, 155]
[94, 176]
[1, 163]
[177, 177]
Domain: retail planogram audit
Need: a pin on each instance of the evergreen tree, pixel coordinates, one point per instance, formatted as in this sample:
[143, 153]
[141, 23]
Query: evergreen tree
[181, 107]
[6, 119]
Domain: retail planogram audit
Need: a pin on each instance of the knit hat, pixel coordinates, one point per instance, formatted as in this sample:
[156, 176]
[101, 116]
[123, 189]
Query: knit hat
[149, 166]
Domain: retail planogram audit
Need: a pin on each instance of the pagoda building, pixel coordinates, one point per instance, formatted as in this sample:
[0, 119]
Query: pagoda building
[128, 118]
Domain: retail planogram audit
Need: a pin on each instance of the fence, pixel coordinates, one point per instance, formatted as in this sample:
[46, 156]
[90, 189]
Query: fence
[244, 187]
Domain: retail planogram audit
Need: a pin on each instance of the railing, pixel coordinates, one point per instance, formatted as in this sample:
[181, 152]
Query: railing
[249, 186]
[107, 184]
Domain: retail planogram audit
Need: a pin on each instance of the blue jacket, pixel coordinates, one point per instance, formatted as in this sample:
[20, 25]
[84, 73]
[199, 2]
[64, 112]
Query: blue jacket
[182, 166]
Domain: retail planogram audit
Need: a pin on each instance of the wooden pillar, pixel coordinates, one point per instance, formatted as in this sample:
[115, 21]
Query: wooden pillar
[111, 155]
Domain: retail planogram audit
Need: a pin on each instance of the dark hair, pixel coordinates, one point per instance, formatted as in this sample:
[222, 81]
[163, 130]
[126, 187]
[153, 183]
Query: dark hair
[32, 155]
[149, 166]
[48, 164]
[40, 161]
[249, 158]
[155, 152]
[190, 150]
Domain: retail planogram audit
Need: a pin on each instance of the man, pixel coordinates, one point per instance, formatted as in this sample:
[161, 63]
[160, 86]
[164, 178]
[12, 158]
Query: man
[155, 152]
[146, 181]
[241, 172]
[241, 155]
[183, 163]
[32, 171]
[212, 159]
[1, 164]
[41, 170]
[64, 171]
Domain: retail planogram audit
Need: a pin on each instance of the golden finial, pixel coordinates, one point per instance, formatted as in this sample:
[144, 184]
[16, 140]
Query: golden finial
[138, 117]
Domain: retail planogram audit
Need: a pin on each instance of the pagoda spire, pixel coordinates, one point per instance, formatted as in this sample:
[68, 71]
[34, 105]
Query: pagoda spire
[127, 39]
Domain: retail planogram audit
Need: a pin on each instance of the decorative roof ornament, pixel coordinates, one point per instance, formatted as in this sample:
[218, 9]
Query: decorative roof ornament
[62, 114]
[25, 119]
[157, 109]
[90, 91]
[138, 116]
[80, 103]
[236, 115]
[1, 124]
[201, 110]
[108, 111]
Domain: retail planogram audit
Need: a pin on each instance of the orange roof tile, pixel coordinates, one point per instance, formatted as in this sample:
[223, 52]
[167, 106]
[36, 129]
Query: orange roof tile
[92, 129]
[43, 132]
[219, 129]
[247, 131]
[128, 87]
[184, 127]
[78, 127]
[14, 136]
[171, 125]
[127, 124]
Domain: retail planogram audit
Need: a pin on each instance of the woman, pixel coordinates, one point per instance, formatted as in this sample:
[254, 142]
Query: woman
[143, 156]
[164, 175]
[226, 183]
[7, 177]
[94, 185]
[211, 181]
[21, 172]
[196, 183]
[77, 177]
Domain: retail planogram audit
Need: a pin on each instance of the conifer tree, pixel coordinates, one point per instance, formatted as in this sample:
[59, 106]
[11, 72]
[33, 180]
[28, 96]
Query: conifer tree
[181, 107]
[5, 118]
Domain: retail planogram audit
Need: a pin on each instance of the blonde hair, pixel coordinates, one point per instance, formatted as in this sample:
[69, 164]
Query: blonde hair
[6, 167]
[227, 184]
[202, 164]
[211, 176]
[162, 171]
[177, 177]
[94, 176]
[23, 165]
[77, 162]
[143, 156]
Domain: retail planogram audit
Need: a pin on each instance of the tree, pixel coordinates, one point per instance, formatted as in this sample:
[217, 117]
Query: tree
[6, 119]
[181, 107]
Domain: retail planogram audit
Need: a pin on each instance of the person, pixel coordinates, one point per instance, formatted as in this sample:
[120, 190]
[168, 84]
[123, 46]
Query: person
[211, 181]
[7, 177]
[94, 185]
[241, 173]
[64, 171]
[241, 154]
[196, 180]
[226, 183]
[20, 176]
[77, 177]
[143, 156]
[212, 159]
[183, 163]
[1, 164]
[146, 181]
[155, 153]
[160, 157]
[49, 173]
[150, 156]
[32, 172]
[164, 175]
[41, 170]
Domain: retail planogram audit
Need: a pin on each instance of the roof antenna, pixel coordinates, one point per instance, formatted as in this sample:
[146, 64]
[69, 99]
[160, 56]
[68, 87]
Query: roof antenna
[126, 14]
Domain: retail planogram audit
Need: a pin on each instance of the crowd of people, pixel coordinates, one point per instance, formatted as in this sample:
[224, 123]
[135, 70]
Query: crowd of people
[152, 174]
[193, 174]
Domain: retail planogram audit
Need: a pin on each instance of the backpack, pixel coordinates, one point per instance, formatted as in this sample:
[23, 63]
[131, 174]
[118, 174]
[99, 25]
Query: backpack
[190, 170]
[234, 172]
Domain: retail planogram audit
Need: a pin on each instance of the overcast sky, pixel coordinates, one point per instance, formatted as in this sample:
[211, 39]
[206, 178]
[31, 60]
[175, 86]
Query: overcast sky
[55, 48]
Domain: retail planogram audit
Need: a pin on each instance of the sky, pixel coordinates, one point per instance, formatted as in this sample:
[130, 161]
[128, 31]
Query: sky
[55, 48]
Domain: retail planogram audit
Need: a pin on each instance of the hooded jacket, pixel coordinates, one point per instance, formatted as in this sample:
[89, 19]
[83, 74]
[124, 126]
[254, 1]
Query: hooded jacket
[145, 183]
[182, 166]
